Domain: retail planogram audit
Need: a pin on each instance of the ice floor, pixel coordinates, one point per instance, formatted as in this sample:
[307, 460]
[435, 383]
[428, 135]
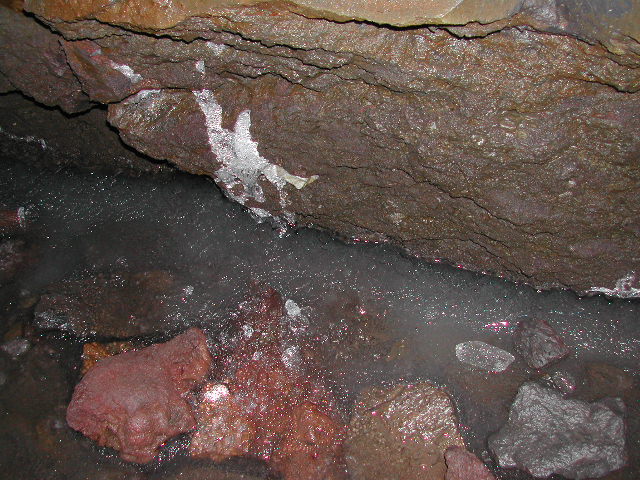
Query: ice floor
[84, 223]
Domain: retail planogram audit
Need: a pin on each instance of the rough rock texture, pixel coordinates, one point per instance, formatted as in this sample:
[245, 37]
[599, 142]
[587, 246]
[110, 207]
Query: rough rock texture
[270, 403]
[135, 401]
[13, 253]
[464, 465]
[401, 432]
[509, 147]
[547, 434]
[538, 343]
[107, 305]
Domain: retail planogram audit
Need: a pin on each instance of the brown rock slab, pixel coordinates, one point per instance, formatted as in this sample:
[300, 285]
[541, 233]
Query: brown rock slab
[32, 60]
[464, 465]
[135, 401]
[271, 404]
[401, 432]
[516, 164]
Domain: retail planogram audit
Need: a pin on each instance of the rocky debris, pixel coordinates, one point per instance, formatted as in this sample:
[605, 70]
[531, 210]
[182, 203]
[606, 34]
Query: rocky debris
[16, 347]
[270, 402]
[464, 465]
[467, 152]
[93, 352]
[12, 220]
[484, 356]
[36, 442]
[13, 253]
[539, 344]
[401, 432]
[561, 380]
[135, 401]
[116, 305]
[547, 434]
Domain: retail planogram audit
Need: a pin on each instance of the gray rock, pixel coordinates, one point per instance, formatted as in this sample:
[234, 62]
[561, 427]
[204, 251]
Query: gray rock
[548, 434]
[16, 347]
[484, 356]
[539, 344]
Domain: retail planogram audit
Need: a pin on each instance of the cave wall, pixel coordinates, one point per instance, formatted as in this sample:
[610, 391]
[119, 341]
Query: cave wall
[498, 136]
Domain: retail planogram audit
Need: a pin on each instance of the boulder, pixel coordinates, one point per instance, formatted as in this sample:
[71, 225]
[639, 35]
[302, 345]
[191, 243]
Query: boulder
[547, 433]
[135, 401]
[484, 356]
[401, 432]
[539, 344]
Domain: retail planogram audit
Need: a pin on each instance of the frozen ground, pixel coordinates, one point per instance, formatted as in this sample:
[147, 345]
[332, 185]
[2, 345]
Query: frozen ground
[85, 223]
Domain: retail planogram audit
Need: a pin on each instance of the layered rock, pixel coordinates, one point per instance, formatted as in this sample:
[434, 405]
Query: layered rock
[513, 153]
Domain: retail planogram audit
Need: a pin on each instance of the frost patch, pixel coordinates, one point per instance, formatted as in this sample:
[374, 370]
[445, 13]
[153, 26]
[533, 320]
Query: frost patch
[241, 164]
[200, 66]
[216, 48]
[626, 287]
[27, 139]
[127, 71]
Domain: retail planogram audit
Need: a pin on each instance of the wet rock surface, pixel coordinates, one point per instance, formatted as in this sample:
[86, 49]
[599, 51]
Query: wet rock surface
[484, 356]
[539, 344]
[521, 165]
[401, 432]
[464, 465]
[271, 404]
[135, 401]
[548, 434]
[116, 305]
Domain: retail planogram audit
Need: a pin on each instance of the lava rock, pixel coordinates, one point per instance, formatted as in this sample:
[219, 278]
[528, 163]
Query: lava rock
[539, 344]
[464, 465]
[547, 434]
[271, 402]
[115, 305]
[135, 401]
[484, 356]
[401, 432]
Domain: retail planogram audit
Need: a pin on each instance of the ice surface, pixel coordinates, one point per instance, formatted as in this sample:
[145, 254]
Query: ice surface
[86, 223]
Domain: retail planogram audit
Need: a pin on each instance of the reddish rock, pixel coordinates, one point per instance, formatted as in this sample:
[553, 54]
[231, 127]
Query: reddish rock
[464, 465]
[271, 403]
[135, 401]
[12, 220]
